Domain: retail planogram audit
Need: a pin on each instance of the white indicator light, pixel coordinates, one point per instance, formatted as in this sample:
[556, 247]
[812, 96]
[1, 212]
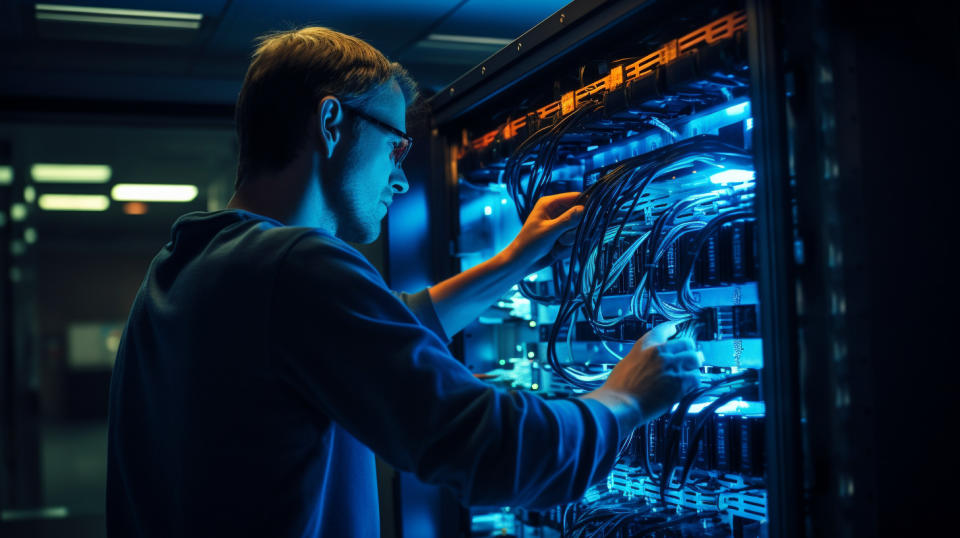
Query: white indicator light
[534, 386]
[487, 210]
[502, 362]
[503, 201]
[738, 109]
[533, 324]
[530, 354]
[732, 176]
[749, 123]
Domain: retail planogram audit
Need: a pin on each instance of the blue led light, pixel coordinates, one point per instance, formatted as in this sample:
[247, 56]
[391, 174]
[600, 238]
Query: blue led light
[732, 176]
[487, 210]
[738, 109]
[591, 148]
[749, 123]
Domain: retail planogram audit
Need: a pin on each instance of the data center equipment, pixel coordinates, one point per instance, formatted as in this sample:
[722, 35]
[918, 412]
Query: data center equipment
[657, 139]
[717, 147]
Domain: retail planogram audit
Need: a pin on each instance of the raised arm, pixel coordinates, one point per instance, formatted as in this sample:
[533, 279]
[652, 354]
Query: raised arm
[352, 353]
[461, 298]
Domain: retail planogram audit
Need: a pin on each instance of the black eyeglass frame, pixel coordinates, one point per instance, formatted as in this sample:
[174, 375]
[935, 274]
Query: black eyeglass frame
[386, 126]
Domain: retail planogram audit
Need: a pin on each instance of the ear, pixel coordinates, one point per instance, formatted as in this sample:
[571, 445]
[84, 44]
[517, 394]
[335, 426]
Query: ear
[329, 124]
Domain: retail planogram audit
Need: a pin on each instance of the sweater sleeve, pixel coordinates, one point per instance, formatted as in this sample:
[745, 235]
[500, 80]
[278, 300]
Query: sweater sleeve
[422, 307]
[356, 355]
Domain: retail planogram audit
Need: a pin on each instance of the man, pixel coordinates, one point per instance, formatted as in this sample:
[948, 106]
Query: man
[265, 362]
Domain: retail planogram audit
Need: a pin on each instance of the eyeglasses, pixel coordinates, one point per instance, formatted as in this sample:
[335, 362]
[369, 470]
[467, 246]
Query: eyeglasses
[400, 149]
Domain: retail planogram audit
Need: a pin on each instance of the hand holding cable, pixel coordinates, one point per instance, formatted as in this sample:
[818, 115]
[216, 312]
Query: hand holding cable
[653, 376]
[536, 246]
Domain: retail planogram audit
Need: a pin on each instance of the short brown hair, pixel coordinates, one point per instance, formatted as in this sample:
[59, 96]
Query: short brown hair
[289, 73]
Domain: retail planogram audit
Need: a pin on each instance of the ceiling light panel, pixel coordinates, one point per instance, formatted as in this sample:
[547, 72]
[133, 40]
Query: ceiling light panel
[57, 8]
[146, 192]
[116, 16]
[472, 40]
[70, 173]
[73, 202]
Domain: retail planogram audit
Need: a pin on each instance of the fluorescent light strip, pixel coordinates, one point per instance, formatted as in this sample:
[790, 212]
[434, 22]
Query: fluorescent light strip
[146, 192]
[70, 173]
[73, 202]
[120, 12]
[97, 19]
[473, 40]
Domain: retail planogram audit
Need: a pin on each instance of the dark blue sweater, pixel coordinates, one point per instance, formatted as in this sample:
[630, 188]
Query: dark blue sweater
[261, 368]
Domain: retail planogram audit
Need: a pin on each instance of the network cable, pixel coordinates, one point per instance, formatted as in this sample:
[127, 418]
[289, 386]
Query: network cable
[612, 234]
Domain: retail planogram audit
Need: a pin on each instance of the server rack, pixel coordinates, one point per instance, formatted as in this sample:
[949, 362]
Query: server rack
[828, 430]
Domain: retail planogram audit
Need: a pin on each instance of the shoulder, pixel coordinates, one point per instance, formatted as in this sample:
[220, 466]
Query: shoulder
[325, 284]
[321, 258]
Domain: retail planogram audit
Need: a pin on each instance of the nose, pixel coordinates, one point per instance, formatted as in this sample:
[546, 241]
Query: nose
[398, 181]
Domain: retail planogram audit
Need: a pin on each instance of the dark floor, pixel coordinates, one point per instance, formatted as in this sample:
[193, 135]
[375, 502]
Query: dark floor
[74, 471]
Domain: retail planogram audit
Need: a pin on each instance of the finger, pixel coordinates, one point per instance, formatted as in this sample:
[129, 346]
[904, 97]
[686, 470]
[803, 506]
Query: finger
[690, 382]
[568, 219]
[558, 203]
[685, 361]
[568, 237]
[563, 197]
[678, 346]
[658, 335]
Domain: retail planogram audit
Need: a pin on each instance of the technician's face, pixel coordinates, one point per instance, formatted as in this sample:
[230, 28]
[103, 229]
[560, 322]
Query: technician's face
[370, 176]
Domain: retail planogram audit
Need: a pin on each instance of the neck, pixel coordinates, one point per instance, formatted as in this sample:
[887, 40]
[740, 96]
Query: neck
[291, 195]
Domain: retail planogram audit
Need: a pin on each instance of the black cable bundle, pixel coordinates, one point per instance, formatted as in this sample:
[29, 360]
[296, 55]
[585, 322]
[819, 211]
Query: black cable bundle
[745, 382]
[600, 519]
[610, 208]
[684, 297]
[543, 146]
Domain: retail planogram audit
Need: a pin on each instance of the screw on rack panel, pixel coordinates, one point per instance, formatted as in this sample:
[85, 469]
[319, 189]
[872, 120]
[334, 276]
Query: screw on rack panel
[518, 46]
[563, 18]
[483, 70]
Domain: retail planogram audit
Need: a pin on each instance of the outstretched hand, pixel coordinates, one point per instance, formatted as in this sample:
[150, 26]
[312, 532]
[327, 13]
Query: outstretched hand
[657, 372]
[536, 247]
